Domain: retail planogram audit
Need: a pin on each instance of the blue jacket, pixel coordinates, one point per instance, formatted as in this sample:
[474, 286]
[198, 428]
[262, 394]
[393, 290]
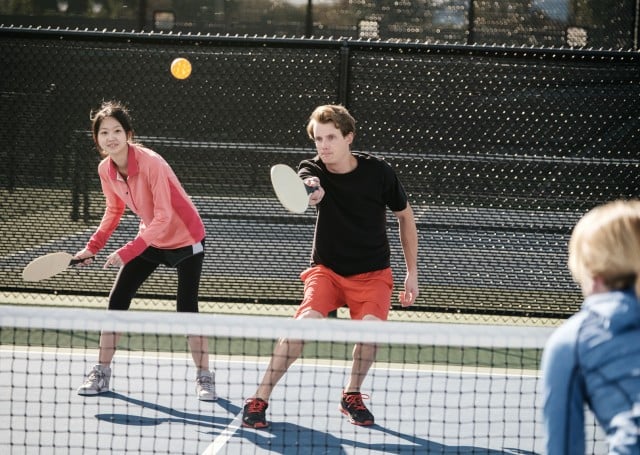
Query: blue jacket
[594, 359]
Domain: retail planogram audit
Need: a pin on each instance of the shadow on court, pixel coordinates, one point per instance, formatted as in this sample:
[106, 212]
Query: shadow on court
[285, 438]
[173, 415]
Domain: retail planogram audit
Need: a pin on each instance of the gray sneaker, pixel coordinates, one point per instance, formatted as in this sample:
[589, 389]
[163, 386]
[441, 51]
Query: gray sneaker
[205, 388]
[96, 382]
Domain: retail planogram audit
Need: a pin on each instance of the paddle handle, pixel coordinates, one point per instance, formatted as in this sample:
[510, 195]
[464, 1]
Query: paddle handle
[78, 261]
[310, 189]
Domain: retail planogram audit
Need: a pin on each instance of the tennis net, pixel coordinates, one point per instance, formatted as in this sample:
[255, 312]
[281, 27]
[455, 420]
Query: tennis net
[435, 387]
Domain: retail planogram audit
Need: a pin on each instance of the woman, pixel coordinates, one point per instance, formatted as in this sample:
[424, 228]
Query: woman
[171, 233]
[594, 358]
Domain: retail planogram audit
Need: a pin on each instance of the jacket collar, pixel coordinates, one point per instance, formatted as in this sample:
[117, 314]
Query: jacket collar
[132, 165]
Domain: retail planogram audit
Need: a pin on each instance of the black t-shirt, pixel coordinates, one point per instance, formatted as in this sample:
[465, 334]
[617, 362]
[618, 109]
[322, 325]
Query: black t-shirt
[351, 225]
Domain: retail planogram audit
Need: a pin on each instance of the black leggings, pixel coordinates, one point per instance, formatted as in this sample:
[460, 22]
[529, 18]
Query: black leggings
[135, 272]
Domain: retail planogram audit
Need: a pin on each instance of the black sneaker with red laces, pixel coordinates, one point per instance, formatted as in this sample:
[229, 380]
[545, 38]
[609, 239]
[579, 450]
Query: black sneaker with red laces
[253, 414]
[352, 406]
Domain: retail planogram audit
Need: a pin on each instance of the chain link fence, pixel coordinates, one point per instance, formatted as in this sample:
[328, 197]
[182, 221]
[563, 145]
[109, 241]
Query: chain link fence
[501, 151]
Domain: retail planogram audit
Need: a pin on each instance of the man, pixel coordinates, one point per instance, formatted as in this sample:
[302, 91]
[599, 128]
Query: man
[350, 255]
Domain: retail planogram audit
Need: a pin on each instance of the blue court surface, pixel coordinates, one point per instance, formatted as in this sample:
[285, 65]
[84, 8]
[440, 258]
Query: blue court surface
[418, 409]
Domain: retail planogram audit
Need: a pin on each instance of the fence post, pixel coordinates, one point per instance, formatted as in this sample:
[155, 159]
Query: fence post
[471, 39]
[81, 166]
[636, 24]
[308, 26]
[76, 175]
[343, 83]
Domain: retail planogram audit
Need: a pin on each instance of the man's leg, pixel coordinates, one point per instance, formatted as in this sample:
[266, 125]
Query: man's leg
[285, 353]
[351, 404]
[363, 357]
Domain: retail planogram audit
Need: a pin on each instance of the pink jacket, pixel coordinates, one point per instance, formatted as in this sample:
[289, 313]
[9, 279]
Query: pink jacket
[168, 218]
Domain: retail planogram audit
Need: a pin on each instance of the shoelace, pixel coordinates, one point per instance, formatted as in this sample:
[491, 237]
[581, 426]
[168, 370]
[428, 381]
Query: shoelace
[205, 383]
[95, 376]
[257, 406]
[355, 401]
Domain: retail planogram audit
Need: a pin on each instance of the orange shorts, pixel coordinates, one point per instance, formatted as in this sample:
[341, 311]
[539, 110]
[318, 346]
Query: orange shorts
[364, 294]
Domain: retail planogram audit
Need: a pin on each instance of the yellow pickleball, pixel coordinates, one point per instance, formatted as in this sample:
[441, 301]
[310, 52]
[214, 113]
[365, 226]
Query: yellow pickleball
[181, 68]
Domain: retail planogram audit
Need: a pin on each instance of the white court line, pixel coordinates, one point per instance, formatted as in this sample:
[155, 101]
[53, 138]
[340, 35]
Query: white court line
[435, 368]
[221, 440]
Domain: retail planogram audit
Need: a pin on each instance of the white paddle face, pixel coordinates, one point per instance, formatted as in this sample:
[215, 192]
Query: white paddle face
[289, 188]
[46, 266]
